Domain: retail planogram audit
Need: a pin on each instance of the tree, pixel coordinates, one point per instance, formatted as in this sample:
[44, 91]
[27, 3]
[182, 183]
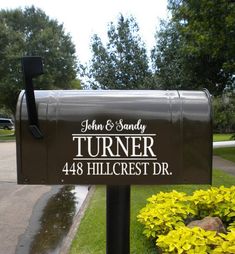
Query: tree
[4, 112]
[167, 58]
[205, 43]
[123, 62]
[224, 113]
[31, 32]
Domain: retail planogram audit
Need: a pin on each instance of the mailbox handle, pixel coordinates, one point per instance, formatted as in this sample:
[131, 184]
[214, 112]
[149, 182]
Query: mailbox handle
[31, 68]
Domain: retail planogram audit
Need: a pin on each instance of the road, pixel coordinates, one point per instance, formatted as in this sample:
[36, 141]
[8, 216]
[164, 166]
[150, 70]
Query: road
[16, 201]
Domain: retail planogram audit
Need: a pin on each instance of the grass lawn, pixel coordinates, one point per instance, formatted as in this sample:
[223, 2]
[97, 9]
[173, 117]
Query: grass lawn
[90, 238]
[222, 137]
[227, 153]
[7, 135]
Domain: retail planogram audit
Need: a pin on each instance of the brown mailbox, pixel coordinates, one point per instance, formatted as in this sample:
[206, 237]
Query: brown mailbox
[115, 137]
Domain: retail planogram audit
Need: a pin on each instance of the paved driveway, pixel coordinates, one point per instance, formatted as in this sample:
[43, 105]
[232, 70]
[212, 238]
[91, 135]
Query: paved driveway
[22, 206]
[16, 201]
[8, 162]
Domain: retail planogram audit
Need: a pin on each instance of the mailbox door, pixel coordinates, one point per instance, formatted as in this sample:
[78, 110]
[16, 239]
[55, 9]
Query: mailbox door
[31, 154]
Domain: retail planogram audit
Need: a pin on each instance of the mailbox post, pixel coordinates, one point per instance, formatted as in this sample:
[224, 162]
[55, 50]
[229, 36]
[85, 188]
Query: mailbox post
[116, 138]
[118, 219]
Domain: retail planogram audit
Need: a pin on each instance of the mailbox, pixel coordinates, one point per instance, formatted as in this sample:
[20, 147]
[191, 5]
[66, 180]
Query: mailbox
[115, 137]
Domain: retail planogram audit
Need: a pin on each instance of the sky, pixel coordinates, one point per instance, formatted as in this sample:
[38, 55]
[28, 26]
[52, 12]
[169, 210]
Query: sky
[84, 18]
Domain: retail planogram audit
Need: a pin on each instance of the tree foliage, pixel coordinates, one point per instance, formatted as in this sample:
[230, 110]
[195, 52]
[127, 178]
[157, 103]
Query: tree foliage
[198, 44]
[167, 58]
[123, 62]
[31, 32]
[224, 113]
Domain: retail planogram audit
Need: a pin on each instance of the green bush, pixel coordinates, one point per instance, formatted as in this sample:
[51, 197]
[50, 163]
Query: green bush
[232, 226]
[215, 202]
[166, 214]
[224, 114]
[196, 240]
[188, 240]
[227, 245]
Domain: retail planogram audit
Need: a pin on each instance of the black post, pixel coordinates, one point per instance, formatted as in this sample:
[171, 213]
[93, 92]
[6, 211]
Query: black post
[118, 220]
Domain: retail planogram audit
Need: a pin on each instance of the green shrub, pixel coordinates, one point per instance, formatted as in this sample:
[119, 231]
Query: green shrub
[188, 240]
[224, 114]
[196, 240]
[231, 226]
[165, 212]
[227, 246]
[165, 215]
[215, 202]
[173, 196]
